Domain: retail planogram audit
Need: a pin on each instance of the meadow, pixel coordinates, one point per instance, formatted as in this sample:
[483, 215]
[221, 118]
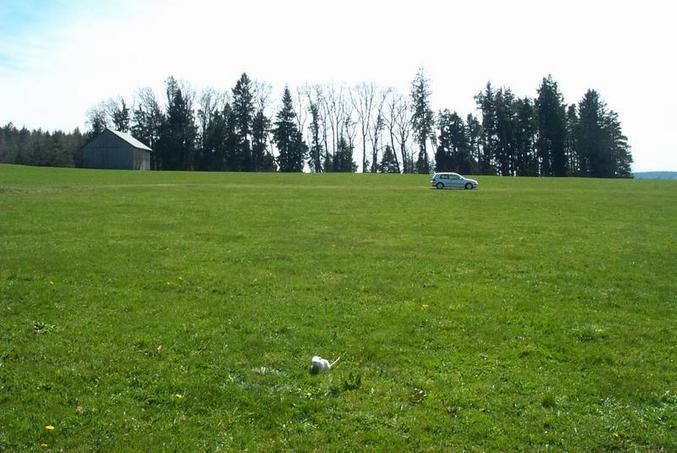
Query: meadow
[179, 311]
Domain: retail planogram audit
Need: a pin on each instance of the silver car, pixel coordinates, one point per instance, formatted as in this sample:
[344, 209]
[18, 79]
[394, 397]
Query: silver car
[445, 180]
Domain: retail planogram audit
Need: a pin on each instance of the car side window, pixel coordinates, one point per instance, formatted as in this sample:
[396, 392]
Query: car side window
[444, 176]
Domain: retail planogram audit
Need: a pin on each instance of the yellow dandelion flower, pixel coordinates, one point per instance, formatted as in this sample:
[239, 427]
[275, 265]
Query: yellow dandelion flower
[44, 445]
[178, 396]
[49, 428]
[424, 306]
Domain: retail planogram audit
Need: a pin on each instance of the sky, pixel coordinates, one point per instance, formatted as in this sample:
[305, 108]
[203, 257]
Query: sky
[58, 58]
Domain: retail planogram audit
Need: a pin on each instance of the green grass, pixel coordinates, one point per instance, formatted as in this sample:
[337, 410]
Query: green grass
[529, 314]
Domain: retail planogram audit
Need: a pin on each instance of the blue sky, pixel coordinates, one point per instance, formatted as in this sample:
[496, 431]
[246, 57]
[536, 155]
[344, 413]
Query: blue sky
[60, 57]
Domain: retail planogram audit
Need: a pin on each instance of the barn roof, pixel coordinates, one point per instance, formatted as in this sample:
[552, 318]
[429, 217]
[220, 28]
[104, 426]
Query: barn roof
[131, 140]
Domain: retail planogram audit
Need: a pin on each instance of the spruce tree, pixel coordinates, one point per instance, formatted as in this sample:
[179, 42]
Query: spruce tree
[288, 140]
[213, 143]
[243, 114]
[147, 119]
[505, 132]
[343, 158]
[422, 118]
[120, 116]
[619, 149]
[486, 102]
[231, 156]
[474, 129]
[525, 163]
[453, 149]
[262, 160]
[590, 135]
[389, 161]
[176, 144]
[551, 129]
[573, 165]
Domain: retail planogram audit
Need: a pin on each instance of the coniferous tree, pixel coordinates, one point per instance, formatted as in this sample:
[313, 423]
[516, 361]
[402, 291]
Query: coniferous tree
[262, 160]
[147, 119]
[525, 163]
[486, 102]
[38, 147]
[453, 150]
[422, 118]
[389, 161]
[551, 129]
[213, 143]
[176, 144]
[120, 116]
[570, 151]
[288, 140]
[505, 131]
[98, 121]
[230, 155]
[590, 135]
[343, 158]
[243, 114]
[619, 149]
[474, 129]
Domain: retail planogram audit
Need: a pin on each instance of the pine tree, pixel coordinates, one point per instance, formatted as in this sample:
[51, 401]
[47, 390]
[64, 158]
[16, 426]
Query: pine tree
[422, 118]
[288, 140]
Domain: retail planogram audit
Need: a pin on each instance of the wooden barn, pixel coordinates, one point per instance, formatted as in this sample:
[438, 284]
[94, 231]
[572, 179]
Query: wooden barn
[115, 149]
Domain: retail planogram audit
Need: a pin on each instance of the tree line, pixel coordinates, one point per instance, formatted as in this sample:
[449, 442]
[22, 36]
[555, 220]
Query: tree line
[324, 128]
[38, 147]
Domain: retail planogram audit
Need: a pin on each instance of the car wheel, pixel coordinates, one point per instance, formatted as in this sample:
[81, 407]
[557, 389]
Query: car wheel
[468, 186]
[439, 185]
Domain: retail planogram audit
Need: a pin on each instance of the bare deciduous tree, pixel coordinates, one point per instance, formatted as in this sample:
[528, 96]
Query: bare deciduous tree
[399, 125]
[362, 100]
[377, 125]
[301, 108]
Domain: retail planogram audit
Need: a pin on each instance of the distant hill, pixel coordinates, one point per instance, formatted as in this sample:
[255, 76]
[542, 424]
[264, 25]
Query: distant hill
[655, 175]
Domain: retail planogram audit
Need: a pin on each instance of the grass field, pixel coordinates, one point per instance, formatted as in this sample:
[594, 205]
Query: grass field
[179, 311]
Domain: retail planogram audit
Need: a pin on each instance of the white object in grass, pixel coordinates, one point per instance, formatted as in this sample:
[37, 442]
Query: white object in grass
[318, 364]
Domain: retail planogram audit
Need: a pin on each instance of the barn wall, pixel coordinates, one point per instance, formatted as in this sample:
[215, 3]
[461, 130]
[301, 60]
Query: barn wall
[109, 151]
[146, 160]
